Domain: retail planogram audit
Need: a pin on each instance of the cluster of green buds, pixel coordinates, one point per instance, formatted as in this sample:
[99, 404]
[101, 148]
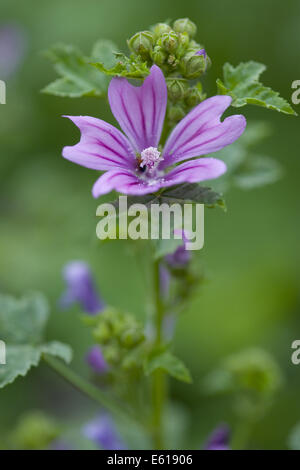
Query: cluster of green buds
[172, 48]
[182, 98]
[121, 338]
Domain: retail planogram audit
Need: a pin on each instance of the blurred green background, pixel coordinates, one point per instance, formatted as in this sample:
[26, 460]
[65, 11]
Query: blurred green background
[47, 214]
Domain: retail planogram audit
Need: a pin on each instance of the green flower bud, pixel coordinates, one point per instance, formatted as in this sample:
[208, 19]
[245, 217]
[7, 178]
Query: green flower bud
[172, 61]
[176, 113]
[195, 45]
[184, 41]
[192, 66]
[159, 56]
[132, 338]
[194, 96]
[169, 41]
[161, 28]
[176, 89]
[184, 25]
[141, 44]
[111, 354]
[102, 333]
[118, 326]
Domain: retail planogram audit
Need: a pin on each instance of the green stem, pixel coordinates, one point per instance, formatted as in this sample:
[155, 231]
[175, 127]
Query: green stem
[159, 377]
[86, 387]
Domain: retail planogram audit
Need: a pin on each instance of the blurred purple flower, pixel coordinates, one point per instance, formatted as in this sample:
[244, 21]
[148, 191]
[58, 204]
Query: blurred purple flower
[219, 439]
[181, 256]
[12, 49]
[103, 433]
[80, 288]
[133, 164]
[96, 360]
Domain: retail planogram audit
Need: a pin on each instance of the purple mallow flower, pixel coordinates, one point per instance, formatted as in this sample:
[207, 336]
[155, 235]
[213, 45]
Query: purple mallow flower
[80, 288]
[181, 256]
[103, 433]
[136, 164]
[219, 439]
[96, 360]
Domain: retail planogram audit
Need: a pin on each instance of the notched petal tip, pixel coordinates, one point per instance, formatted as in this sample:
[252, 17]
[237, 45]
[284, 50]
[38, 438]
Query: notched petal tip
[224, 101]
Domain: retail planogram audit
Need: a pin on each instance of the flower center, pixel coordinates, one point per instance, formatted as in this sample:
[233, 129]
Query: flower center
[150, 158]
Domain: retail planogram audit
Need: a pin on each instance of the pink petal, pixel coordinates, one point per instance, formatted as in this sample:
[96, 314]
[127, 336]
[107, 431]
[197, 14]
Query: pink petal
[141, 110]
[195, 170]
[101, 146]
[202, 132]
[123, 181]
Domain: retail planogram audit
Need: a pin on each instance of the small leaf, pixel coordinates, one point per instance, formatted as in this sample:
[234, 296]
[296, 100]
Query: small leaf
[105, 51]
[193, 192]
[21, 357]
[169, 363]
[57, 349]
[22, 326]
[66, 89]
[19, 360]
[242, 84]
[129, 67]
[23, 320]
[78, 77]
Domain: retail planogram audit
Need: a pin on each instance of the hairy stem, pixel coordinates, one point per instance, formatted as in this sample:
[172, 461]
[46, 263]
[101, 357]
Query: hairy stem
[159, 377]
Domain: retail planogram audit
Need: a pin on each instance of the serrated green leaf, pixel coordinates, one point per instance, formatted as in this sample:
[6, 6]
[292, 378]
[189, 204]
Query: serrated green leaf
[169, 363]
[129, 67]
[58, 349]
[20, 358]
[22, 328]
[78, 77]
[242, 84]
[104, 51]
[66, 89]
[23, 320]
[194, 193]
[243, 75]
